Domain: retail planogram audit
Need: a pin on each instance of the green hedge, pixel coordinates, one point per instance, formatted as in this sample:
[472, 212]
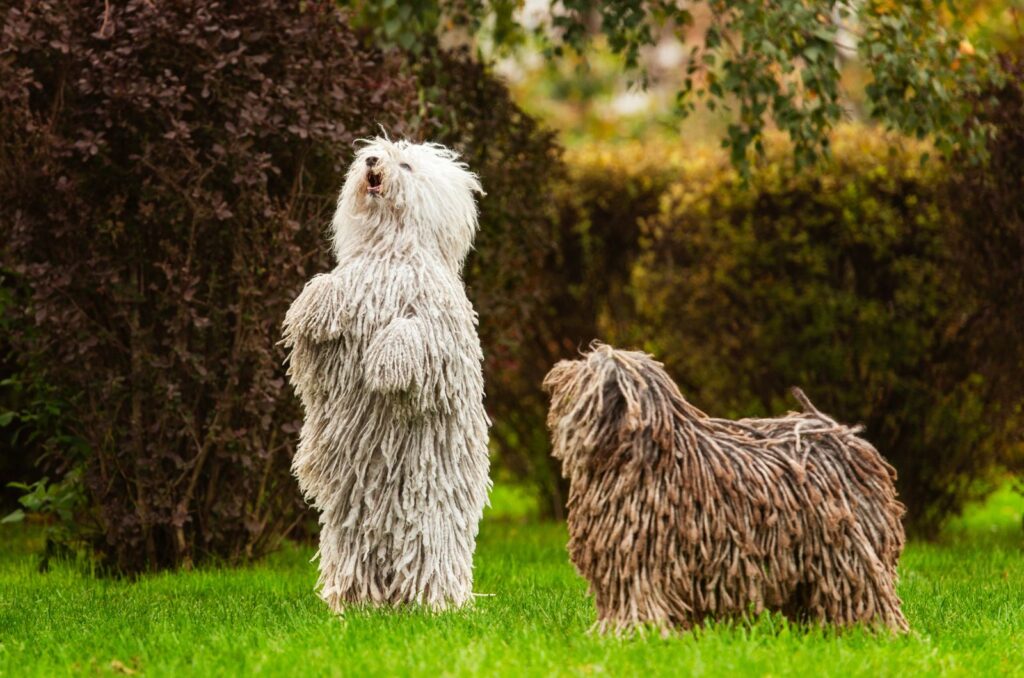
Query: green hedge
[839, 280]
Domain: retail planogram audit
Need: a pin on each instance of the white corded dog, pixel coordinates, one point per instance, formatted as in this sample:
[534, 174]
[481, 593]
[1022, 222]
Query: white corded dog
[386, 359]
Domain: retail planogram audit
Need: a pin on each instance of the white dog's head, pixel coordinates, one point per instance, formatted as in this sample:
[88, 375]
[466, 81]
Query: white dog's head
[400, 195]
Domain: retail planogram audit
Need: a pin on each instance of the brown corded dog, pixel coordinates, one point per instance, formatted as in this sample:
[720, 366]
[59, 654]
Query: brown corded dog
[675, 517]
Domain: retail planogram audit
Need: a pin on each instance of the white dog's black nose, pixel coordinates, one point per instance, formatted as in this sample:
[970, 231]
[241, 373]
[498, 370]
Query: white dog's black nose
[371, 161]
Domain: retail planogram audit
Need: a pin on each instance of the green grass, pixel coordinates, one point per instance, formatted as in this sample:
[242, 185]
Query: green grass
[964, 598]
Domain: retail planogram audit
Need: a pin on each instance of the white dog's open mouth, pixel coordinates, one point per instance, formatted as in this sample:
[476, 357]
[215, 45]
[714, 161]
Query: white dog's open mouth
[373, 182]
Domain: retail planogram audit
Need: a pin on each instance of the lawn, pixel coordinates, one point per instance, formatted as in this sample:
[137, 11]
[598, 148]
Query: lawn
[964, 597]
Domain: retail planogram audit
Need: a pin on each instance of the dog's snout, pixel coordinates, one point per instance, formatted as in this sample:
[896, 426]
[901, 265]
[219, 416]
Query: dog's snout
[371, 161]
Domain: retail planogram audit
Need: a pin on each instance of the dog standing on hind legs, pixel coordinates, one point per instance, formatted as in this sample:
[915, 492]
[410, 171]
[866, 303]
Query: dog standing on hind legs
[385, 357]
[675, 517]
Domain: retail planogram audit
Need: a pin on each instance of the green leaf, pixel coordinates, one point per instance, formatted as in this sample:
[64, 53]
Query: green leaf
[15, 516]
[826, 34]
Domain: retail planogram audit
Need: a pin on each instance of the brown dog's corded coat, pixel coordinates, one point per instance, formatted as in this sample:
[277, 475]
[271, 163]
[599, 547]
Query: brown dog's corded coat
[675, 516]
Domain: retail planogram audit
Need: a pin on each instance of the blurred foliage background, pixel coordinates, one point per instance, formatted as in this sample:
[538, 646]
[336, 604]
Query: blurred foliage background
[821, 194]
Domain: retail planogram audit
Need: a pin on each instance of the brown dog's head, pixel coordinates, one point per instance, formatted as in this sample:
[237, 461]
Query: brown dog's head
[610, 407]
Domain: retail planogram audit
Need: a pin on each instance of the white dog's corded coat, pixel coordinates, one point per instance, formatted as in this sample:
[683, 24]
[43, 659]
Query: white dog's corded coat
[386, 359]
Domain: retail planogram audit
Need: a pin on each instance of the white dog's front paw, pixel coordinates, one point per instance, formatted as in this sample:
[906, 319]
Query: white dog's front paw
[318, 313]
[395, 359]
